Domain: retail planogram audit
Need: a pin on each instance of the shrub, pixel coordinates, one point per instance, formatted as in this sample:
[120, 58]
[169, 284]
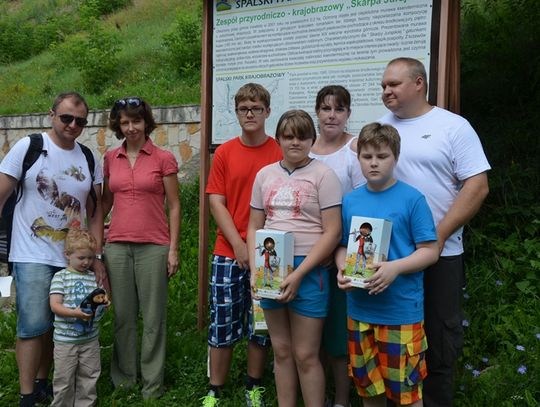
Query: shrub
[21, 39]
[94, 55]
[14, 38]
[98, 8]
[183, 43]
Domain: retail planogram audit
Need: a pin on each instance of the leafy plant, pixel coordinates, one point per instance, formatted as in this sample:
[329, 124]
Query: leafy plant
[183, 43]
[97, 8]
[94, 55]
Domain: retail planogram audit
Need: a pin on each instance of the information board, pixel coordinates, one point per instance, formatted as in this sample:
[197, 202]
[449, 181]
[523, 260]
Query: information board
[295, 47]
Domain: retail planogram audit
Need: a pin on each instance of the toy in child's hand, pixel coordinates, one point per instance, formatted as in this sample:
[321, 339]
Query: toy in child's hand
[94, 300]
[93, 304]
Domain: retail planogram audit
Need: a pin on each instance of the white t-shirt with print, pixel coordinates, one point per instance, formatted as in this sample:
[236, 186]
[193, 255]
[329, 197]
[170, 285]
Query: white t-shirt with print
[54, 198]
[439, 150]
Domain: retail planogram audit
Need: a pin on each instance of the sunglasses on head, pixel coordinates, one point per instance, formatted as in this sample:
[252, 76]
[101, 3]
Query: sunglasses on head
[68, 119]
[122, 103]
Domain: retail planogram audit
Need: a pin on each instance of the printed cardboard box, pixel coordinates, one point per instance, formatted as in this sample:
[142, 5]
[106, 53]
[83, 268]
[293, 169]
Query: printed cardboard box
[259, 323]
[369, 241]
[274, 259]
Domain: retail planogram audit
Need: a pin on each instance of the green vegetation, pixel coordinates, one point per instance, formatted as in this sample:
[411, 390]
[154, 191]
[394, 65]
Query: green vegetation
[500, 96]
[99, 48]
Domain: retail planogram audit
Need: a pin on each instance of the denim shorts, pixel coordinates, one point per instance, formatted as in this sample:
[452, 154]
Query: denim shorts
[32, 282]
[231, 315]
[312, 297]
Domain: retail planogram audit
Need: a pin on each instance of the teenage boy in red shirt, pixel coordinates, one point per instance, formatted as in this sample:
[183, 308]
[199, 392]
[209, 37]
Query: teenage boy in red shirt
[235, 165]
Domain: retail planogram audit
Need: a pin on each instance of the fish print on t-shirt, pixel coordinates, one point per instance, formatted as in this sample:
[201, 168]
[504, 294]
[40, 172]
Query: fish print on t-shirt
[67, 207]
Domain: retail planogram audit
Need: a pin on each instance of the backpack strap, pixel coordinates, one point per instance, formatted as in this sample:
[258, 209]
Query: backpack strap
[35, 149]
[91, 167]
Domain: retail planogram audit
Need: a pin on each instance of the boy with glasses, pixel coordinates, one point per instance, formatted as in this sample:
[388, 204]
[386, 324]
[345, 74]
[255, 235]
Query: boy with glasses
[55, 197]
[235, 165]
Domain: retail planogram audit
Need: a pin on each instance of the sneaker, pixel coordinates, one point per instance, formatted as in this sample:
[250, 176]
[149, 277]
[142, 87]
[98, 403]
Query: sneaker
[254, 397]
[210, 400]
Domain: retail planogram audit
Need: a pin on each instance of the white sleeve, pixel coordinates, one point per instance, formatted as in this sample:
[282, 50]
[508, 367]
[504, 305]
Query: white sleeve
[469, 156]
[12, 162]
[98, 170]
[357, 178]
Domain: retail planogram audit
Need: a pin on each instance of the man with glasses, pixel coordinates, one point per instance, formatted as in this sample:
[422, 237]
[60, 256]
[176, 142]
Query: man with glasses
[235, 165]
[55, 196]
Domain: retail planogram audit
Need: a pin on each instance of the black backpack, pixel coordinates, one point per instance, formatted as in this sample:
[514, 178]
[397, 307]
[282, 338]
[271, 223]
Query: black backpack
[35, 149]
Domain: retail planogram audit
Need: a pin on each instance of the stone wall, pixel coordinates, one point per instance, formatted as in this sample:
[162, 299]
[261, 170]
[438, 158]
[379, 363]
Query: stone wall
[178, 131]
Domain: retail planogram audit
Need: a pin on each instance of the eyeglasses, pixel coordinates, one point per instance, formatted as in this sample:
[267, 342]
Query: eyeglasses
[122, 103]
[255, 111]
[68, 119]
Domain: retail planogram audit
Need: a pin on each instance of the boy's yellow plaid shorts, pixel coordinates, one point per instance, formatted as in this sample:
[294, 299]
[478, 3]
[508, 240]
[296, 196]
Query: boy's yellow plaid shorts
[387, 359]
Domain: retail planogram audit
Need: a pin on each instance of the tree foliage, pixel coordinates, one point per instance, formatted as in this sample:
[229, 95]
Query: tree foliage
[500, 92]
[501, 77]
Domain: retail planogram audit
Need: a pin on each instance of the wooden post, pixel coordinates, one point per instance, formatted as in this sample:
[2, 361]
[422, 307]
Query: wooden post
[206, 131]
[449, 61]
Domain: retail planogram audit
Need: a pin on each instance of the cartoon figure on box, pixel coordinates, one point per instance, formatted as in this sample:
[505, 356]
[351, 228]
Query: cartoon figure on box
[270, 260]
[94, 304]
[366, 247]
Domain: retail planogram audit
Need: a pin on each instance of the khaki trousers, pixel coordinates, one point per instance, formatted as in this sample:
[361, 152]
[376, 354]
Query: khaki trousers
[76, 371]
[138, 278]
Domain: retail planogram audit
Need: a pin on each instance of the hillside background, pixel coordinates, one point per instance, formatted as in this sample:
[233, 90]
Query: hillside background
[103, 48]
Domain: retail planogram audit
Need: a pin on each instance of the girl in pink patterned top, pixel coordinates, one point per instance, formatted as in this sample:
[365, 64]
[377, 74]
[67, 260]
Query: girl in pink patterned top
[301, 195]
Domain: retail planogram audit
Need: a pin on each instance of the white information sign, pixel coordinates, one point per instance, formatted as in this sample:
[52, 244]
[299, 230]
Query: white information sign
[295, 47]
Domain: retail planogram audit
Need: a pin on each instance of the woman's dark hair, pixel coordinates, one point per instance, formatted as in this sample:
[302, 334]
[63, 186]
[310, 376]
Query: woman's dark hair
[132, 107]
[342, 97]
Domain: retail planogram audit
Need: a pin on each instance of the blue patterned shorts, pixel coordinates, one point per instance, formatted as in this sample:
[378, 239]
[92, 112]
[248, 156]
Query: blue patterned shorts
[230, 305]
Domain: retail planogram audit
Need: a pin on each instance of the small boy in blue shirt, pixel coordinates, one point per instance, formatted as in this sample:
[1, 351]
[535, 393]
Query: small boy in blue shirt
[387, 342]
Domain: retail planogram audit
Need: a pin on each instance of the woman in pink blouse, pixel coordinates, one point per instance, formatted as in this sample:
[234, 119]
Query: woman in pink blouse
[141, 250]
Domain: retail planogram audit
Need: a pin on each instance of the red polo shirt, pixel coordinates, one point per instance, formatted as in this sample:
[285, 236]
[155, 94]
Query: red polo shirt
[138, 213]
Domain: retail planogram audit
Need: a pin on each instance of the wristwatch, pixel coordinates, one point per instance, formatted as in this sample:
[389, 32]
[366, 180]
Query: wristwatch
[100, 256]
